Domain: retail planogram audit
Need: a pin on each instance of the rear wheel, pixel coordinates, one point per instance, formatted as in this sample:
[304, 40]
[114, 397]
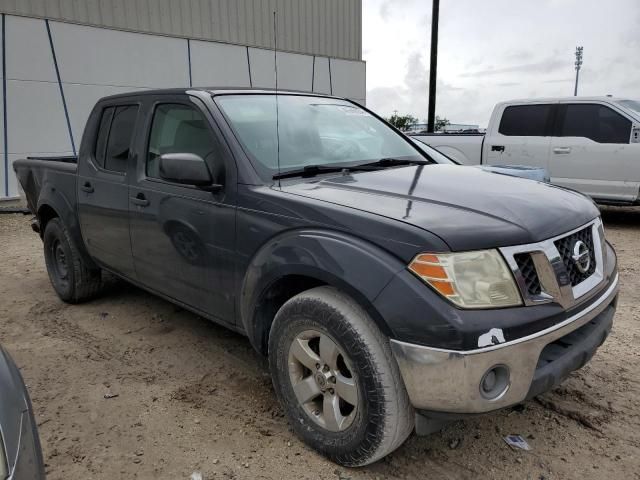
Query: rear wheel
[336, 378]
[72, 279]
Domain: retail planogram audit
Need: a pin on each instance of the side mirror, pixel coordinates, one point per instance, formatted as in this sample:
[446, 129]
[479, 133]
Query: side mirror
[186, 169]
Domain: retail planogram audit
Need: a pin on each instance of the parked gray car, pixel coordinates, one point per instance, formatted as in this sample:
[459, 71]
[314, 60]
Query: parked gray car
[20, 452]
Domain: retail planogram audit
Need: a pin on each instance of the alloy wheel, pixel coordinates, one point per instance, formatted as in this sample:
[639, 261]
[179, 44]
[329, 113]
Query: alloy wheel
[323, 380]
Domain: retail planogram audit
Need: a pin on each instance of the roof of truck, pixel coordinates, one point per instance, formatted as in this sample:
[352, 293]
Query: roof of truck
[601, 98]
[214, 91]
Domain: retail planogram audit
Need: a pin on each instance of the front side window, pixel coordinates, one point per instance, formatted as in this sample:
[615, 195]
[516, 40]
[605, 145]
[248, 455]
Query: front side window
[177, 128]
[596, 122]
[525, 120]
[293, 131]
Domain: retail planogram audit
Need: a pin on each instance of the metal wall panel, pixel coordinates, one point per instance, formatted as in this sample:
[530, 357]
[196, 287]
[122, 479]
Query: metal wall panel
[36, 121]
[348, 79]
[321, 80]
[107, 57]
[295, 71]
[32, 60]
[219, 65]
[319, 27]
[33, 96]
[262, 68]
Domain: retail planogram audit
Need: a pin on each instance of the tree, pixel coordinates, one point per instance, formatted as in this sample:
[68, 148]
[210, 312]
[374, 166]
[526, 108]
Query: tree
[402, 122]
[441, 123]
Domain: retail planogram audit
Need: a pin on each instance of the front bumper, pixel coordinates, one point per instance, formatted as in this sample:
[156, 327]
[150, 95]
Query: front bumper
[440, 380]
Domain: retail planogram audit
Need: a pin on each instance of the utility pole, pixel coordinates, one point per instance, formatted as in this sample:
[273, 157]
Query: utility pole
[578, 65]
[433, 68]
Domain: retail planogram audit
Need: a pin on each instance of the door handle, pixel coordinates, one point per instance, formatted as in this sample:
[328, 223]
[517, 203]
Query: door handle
[561, 150]
[87, 187]
[140, 200]
[497, 148]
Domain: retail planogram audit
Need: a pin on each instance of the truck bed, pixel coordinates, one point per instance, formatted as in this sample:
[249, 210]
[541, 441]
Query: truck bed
[53, 177]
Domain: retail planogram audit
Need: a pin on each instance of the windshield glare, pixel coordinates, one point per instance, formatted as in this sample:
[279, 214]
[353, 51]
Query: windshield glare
[312, 131]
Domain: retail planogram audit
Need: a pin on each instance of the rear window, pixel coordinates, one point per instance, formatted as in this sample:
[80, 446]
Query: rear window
[525, 120]
[596, 122]
[115, 134]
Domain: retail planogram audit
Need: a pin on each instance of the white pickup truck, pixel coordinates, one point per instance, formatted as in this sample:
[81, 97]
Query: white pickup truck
[590, 144]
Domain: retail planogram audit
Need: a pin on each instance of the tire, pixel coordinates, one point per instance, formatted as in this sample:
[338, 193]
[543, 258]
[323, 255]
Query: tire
[370, 426]
[72, 279]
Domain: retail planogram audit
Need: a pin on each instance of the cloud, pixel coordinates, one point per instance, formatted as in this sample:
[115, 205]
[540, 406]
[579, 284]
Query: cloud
[411, 96]
[501, 51]
[546, 66]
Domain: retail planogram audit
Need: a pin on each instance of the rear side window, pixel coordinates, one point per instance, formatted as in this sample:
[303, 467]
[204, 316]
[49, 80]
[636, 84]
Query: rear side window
[115, 134]
[120, 137]
[596, 122]
[525, 120]
[103, 134]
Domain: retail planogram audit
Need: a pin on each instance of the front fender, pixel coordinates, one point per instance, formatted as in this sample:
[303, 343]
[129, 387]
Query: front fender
[349, 263]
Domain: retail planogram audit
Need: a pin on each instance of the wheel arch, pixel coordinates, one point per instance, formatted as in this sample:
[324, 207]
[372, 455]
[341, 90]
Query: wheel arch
[300, 260]
[55, 205]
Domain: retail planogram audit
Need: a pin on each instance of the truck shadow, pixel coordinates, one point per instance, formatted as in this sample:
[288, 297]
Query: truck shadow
[622, 217]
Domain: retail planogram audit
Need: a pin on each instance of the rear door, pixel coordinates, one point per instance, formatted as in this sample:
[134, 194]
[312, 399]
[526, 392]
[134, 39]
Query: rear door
[522, 136]
[103, 190]
[591, 153]
[182, 236]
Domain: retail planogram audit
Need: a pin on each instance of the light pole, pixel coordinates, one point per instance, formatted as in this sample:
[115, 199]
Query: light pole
[578, 65]
[433, 67]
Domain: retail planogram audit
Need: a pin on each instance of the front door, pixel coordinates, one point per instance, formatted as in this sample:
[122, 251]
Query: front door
[591, 153]
[183, 236]
[103, 189]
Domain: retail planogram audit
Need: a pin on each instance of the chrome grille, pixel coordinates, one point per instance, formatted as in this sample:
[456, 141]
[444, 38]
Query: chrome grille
[546, 271]
[529, 273]
[565, 248]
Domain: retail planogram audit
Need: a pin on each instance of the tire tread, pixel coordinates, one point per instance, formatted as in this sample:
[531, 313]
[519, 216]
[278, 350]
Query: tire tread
[87, 282]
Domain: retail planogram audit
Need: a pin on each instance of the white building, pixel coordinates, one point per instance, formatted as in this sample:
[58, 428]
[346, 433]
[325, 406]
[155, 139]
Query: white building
[59, 57]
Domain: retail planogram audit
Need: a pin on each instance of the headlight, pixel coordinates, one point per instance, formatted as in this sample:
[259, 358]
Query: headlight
[479, 279]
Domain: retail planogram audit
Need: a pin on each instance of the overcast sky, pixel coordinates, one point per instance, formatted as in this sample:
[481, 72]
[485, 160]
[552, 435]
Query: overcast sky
[497, 50]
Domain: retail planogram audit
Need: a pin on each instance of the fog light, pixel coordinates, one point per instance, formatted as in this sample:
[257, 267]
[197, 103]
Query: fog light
[494, 382]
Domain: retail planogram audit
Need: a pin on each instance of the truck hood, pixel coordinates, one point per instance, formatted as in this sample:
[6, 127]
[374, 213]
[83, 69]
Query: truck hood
[466, 207]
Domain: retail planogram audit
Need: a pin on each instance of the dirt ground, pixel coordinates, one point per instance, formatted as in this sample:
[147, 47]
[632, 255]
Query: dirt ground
[192, 396]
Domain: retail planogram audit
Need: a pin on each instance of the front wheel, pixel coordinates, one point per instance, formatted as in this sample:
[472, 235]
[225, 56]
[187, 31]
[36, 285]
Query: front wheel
[336, 378]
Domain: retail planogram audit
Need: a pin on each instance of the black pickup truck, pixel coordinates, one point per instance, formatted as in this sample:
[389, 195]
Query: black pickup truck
[384, 288]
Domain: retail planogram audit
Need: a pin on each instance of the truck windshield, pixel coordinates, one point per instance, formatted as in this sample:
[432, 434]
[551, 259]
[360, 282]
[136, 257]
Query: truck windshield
[304, 131]
[633, 105]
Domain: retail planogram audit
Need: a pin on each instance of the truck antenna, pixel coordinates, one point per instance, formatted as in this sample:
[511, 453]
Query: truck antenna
[275, 67]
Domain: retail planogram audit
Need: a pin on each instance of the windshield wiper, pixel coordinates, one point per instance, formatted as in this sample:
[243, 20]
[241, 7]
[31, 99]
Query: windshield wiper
[396, 162]
[313, 170]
